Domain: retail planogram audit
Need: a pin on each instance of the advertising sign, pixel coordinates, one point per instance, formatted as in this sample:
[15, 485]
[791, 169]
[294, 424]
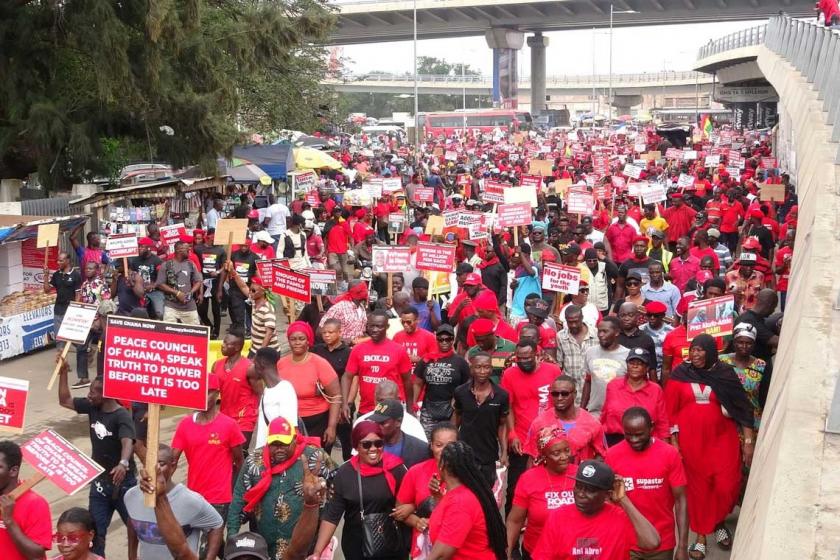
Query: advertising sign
[290, 283]
[156, 362]
[13, 396]
[714, 316]
[560, 278]
[436, 256]
[516, 214]
[121, 245]
[391, 259]
[60, 461]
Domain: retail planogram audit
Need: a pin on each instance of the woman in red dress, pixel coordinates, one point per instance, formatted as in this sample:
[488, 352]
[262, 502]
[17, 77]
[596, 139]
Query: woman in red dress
[706, 404]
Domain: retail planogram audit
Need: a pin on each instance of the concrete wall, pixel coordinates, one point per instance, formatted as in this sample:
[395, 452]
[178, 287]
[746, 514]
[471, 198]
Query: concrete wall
[791, 508]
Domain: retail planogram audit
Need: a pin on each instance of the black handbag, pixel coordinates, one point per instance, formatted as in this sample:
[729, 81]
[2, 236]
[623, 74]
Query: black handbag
[382, 534]
[438, 411]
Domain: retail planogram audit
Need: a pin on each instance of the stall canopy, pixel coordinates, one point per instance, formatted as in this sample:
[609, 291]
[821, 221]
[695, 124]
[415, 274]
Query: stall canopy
[158, 189]
[276, 160]
[21, 228]
[310, 158]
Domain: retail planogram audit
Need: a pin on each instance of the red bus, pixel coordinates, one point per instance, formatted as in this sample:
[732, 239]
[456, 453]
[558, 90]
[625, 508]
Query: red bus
[477, 120]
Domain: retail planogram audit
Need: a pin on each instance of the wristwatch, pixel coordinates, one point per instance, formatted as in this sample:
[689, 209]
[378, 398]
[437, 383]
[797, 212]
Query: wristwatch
[124, 463]
[748, 440]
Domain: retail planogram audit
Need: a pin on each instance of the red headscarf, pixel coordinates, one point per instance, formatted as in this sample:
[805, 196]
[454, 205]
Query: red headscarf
[255, 494]
[305, 328]
[357, 292]
[547, 437]
[389, 461]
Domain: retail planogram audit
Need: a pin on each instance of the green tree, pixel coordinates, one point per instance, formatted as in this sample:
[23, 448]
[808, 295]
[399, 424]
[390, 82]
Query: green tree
[439, 67]
[186, 78]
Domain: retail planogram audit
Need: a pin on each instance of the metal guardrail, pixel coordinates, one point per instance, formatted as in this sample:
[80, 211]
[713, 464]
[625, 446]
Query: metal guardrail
[744, 38]
[643, 78]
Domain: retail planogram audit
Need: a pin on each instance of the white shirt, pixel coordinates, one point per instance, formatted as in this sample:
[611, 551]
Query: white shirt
[276, 401]
[212, 218]
[595, 236]
[277, 214]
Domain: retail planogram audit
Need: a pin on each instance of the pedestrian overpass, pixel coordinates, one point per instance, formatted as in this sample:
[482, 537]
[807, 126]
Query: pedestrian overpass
[790, 508]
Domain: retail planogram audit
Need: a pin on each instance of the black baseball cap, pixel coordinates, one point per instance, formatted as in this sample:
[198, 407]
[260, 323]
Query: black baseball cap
[445, 328]
[387, 409]
[463, 268]
[638, 354]
[539, 308]
[596, 474]
[246, 544]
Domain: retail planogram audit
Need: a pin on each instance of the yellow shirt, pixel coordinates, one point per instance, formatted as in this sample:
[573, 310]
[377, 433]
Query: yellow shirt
[649, 225]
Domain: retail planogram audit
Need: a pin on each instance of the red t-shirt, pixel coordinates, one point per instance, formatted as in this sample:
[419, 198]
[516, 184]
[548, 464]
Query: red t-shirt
[419, 343]
[707, 252]
[732, 212]
[305, 377]
[337, 239]
[267, 253]
[621, 240]
[414, 489]
[585, 434]
[649, 477]
[458, 521]
[620, 397]
[676, 345]
[32, 514]
[570, 535]
[539, 493]
[548, 336]
[208, 451]
[373, 362]
[528, 394]
[239, 401]
[783, 266]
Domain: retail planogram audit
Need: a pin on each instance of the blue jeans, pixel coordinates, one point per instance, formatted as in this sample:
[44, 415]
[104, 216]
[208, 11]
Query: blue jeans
[104, 499]
[155, 304]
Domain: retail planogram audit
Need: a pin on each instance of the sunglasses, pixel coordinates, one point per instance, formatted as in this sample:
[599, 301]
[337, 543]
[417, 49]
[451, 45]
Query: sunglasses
[69, 538]
[560, 393]
[651, 315]
[377, 443]
[583, 290]
[445, 338]
[633, 283]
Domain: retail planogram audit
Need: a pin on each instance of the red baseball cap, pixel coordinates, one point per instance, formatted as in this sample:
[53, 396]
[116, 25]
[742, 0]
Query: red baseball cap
[473, 279]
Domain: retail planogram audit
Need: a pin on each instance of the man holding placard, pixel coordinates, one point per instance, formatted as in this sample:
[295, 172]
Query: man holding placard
[26, 528]
[112, 443]
[67, 282]
[180, 281]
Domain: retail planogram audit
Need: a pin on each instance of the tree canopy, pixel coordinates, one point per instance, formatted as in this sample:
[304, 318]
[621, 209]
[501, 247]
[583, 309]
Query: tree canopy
[85, 84]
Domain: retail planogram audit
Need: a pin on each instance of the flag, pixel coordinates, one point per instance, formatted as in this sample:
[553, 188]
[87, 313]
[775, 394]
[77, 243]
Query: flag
[707, 126]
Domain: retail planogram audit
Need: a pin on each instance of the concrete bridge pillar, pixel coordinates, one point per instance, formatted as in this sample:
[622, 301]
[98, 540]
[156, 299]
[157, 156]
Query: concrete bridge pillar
[538, 43]
[505, 44]
[623, 103]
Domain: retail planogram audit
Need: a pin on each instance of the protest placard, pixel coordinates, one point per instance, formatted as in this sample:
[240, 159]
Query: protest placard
[74, 328]
[13, 395]
[494, 192]
[312, 199]
[60, 461]
[47, 235]
[541, 167]
[265, 272]
[771, 192]
[391, 184]
[434, 225]
[463, 179]
[639, 147]
[467, 219]
[689, 154]
[231, 231]
[515, 214]
[156, 362]
[291, 283]
[436, 256]
[373, 188]
[321, 281]
[712, 161]
[618, 182]
[736, 160]
[438, 151]
[653, 155]
[391, 259]
[451, 155]
[121, 245]
[734, 172]
[674, 153]
[580, 201]
[685, 181]
[653, 192]
[172, 234]
[424, 194]
[450, 218]
[714, 316]
[632, 171]
[560, 278]
[521, 194]
[531, 181]
[396, 223]
[561, 186]
[635, 188]
[602, 191]
[768, 162]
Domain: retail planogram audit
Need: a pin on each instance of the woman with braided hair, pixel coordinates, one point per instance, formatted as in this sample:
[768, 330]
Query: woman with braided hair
[466, 524]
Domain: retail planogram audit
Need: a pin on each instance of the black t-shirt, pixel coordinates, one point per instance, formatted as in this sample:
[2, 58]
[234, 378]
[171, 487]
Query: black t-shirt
[765, 238]
[639, 340]
[146, 267]
[633, 265]
[106, 431]
[336, 357]
[495, 278]
[244, 265]
[480, 422]
[66, 285]
[442, 377]
[377, 497]
[212, 258]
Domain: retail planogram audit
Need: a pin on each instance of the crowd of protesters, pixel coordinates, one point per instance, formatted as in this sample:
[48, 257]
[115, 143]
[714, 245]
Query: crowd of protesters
[479, 414]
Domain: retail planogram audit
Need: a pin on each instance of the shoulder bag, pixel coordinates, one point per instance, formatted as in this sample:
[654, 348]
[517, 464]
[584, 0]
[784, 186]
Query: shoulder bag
[382, 534]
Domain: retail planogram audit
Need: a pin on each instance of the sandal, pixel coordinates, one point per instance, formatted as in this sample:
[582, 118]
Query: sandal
[699, 548]
[723, 537]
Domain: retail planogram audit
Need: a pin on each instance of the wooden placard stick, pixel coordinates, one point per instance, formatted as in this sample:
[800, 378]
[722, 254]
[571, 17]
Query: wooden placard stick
[54, 376]
[27, 484]
[152, 442]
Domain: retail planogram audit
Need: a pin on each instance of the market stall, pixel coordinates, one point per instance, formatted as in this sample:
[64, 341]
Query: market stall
[26, 312]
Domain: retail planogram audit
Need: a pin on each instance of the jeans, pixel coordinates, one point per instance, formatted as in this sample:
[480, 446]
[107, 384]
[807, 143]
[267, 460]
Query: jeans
[277, 239]
[82, 352]
[783, 299]
[155, 305]
[208, 303]
[104, 499]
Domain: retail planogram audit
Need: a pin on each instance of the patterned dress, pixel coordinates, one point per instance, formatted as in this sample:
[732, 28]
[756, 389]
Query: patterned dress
[279, 510]
[750, 377]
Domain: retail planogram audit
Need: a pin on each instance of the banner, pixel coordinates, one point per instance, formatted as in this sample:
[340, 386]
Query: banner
[77, 321]
[391, 259]
[156, 362]
[60, 461]
[13, 396]
[119, 245]
[714, 316]
[560, 278]
[580, 202]
[436, 256]
[291, 283]
[516, 214]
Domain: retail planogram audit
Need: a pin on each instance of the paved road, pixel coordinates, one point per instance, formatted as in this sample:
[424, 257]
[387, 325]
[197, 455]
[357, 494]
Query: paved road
[44, 412]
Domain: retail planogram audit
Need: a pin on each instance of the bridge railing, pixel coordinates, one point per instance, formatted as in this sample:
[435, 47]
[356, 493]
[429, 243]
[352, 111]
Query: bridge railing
[744, 38]
[641, 78]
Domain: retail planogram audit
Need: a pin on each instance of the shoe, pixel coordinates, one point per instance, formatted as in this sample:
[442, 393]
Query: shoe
[214, 335]
[81, 384]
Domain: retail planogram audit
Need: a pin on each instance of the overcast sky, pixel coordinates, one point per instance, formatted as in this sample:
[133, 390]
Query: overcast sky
[636, 49]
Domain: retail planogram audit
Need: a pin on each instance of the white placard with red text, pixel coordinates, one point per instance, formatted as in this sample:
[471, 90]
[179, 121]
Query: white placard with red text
[120, 245]
[560, 278]
[391, 259]
[439, 257]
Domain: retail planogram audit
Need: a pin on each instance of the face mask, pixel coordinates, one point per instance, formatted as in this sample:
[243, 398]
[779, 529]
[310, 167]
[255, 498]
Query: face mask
[527, 366]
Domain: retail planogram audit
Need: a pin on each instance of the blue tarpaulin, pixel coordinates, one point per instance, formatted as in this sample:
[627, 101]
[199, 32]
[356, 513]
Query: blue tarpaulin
[276, 160]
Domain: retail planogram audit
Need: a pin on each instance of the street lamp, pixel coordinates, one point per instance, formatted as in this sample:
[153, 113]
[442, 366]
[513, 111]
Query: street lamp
[416, 104]
[613, 11]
